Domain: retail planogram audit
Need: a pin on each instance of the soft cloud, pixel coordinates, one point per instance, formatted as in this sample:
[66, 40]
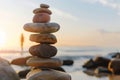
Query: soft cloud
[89, 1]
[118, 13]
[103, 31]
[110, 3]
[114, 4]
[63, 14]
[56, 11]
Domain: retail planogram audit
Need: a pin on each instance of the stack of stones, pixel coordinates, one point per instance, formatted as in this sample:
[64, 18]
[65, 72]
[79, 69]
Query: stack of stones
[42, 59]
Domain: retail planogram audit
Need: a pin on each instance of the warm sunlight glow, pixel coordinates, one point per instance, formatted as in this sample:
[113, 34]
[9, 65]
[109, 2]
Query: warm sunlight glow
[2, 38]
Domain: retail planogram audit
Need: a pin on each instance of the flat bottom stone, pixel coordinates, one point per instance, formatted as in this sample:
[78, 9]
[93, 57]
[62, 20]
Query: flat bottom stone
[47, 74]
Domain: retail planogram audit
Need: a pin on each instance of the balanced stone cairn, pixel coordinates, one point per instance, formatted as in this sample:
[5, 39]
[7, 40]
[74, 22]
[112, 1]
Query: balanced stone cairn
[42, 59]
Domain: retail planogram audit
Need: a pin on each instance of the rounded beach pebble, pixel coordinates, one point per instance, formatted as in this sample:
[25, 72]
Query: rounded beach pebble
[42, 10]
[44, 62]
[114, 66]
[43, 38]
[42, 27]
[6, 71]
[47, 74]
[41, 18]
[43, 50]
[44, 6]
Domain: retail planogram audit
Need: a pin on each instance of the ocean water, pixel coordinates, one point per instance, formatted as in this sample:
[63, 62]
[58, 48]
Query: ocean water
[78, 54]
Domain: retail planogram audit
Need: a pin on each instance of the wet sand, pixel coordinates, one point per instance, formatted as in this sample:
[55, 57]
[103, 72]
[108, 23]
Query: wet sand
[79, 75]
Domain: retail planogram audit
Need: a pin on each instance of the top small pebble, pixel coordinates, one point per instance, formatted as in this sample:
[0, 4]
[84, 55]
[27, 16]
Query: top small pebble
[44, 6]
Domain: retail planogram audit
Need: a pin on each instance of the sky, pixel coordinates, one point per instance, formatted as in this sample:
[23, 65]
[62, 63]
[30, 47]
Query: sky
[83, 22]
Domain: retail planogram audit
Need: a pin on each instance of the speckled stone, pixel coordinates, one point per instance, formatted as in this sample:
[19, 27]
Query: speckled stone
[44, 6]
[42, 27]
[43, 50]
[43, 38]
[42, 10]
[44, 62]
[41, 18]
[47, 74]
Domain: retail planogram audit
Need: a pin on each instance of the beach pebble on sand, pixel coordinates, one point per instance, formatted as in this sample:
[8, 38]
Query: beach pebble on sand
[6, 71]
[114, 66]
[23, 73]
[47, 74]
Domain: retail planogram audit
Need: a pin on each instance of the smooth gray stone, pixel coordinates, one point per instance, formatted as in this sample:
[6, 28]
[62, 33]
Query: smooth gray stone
[6, 71]
[43, 50]
[47, 74]
[42, 27]
[43, 38]
[44, 6]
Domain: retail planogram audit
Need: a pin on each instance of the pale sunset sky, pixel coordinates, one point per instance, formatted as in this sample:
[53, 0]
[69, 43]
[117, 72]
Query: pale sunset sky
[83, 22]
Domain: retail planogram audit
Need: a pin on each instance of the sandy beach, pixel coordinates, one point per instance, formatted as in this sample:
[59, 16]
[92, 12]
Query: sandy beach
[77, 54]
